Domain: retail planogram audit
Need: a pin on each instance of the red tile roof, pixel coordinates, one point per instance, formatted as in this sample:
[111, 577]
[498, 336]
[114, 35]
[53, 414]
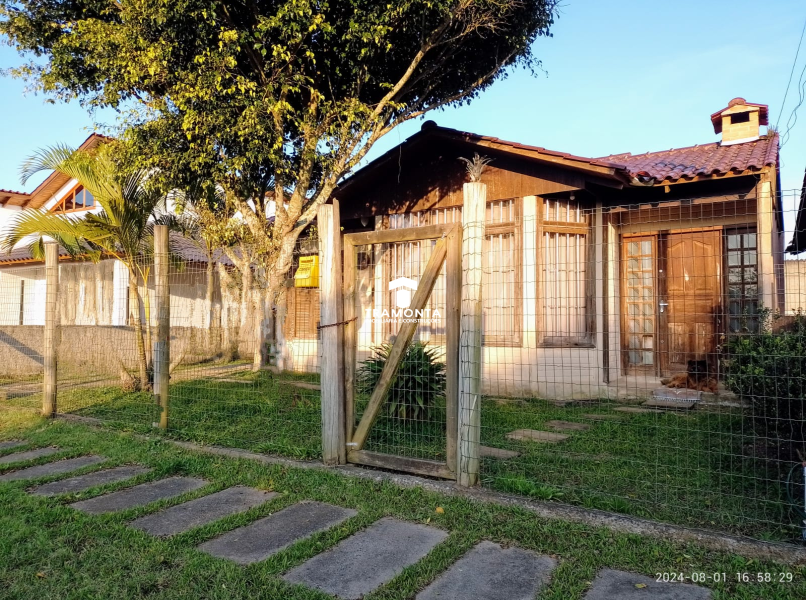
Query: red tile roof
[706, 159]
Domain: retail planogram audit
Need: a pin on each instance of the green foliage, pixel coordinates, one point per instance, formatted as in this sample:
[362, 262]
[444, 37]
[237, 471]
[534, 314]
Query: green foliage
[416, 387]
[768, 369]
[282, 96]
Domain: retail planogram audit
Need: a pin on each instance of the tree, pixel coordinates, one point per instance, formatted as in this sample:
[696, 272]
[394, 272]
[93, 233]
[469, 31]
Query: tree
[275, 100]
[123, 229]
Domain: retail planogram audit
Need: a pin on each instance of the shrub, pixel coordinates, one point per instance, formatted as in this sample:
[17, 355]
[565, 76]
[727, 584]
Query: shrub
[768, 369]
[417, 386]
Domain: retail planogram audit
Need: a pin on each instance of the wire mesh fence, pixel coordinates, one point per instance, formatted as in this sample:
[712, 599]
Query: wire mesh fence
[646, 359]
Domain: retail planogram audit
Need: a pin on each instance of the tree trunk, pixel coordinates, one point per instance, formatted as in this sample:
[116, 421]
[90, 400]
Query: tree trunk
[208, 302]
[261, 354]
[246, 301]
[134, 293]
[228, 348]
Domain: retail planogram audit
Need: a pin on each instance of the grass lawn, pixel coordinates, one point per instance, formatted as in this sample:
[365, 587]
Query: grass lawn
[690, 469]
[48, 550]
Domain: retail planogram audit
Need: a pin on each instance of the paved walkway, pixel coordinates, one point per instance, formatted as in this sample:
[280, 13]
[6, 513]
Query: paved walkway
[351, 569]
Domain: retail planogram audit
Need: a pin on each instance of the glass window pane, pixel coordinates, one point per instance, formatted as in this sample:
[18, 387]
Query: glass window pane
[734, 259]
[646, 247]
[632, 248]
[733, 242]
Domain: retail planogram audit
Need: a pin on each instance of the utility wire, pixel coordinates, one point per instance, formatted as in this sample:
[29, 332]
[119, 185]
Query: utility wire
[791, 72]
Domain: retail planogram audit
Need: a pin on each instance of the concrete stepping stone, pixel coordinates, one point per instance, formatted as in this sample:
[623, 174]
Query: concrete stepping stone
[28, 455]
[490, 572]
[610, 584]
[490, 452]
[139, 495]
[636, 410]
[54, 468]
[604, 417]
[259, 540]
[201, 511]
[85, 482]
[11, 444]
[680, 399]
[567, 426]
[367, 560]
[532, 435]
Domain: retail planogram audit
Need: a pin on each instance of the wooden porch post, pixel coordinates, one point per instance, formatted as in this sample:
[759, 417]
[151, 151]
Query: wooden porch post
[473, 213]
[162, 345]
[332, 334]
[51, 328]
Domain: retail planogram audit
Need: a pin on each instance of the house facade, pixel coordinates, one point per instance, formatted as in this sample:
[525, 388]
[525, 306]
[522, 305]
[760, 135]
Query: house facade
[601, 275]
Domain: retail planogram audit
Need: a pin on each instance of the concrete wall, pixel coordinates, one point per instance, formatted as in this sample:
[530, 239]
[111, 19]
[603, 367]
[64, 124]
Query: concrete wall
[795, 286]
[90, 351]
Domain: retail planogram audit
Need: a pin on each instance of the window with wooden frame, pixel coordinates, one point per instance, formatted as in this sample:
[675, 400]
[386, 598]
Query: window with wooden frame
[302, 313]
[502, 292]
[75, 200]
[565, 286]
[741, 258]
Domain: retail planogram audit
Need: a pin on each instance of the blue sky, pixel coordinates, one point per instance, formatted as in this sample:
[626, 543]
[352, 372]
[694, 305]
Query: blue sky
[621, 76]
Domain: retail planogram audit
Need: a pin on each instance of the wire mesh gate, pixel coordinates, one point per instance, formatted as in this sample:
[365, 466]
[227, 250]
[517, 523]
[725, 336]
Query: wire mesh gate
[402, 293]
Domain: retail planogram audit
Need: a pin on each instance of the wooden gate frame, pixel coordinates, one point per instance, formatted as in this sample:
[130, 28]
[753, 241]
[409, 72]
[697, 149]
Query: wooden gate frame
[447, 250]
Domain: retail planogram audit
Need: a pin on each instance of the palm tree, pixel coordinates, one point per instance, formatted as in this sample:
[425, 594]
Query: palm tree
[123, 229]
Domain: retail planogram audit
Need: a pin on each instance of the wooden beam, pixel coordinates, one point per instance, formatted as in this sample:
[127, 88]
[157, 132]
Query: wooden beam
[162, 346]
[404, 336]
[409, 234]
[51, 325]
[475, 195]
[430, 468]
[453, 299]
[334, 450]
[350, 338]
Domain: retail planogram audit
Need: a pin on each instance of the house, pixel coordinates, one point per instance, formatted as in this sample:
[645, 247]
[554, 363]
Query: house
[601, 275]
[94, 298]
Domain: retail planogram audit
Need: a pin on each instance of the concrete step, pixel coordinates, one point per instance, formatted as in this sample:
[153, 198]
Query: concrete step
[28, 455]
[533, 435]
[259, 540]
[369, 559]
[201, 511]
[610, 584]
[90, 480]
[139, 495]
[490, 572]
[59, 467]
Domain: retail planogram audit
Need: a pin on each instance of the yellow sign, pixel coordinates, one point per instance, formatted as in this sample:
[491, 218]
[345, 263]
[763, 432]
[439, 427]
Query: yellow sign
[307, 274]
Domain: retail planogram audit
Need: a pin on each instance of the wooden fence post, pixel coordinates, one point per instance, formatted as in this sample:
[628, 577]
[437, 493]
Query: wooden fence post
[332, 334]
[473, 213]
[51, 328]
[162, 346]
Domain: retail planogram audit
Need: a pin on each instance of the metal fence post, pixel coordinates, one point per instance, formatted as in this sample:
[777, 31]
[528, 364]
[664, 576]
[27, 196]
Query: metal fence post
[162, 346]
[473, 213]
[332, 335]
[51, 324]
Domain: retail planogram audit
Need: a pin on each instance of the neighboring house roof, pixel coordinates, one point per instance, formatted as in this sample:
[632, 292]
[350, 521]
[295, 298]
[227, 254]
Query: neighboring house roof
[185, 248]
[798, 243]
[704, 160]
[45, 190]
[12, 198]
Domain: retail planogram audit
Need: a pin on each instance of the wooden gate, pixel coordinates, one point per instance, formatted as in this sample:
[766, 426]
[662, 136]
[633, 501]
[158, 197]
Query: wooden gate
[447, 251]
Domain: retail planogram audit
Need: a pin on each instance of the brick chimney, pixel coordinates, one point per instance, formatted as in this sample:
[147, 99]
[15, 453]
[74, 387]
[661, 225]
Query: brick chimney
[740, 121]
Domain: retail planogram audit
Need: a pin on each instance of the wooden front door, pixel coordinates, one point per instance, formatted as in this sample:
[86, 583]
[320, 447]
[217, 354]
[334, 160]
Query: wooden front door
[692, 301]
